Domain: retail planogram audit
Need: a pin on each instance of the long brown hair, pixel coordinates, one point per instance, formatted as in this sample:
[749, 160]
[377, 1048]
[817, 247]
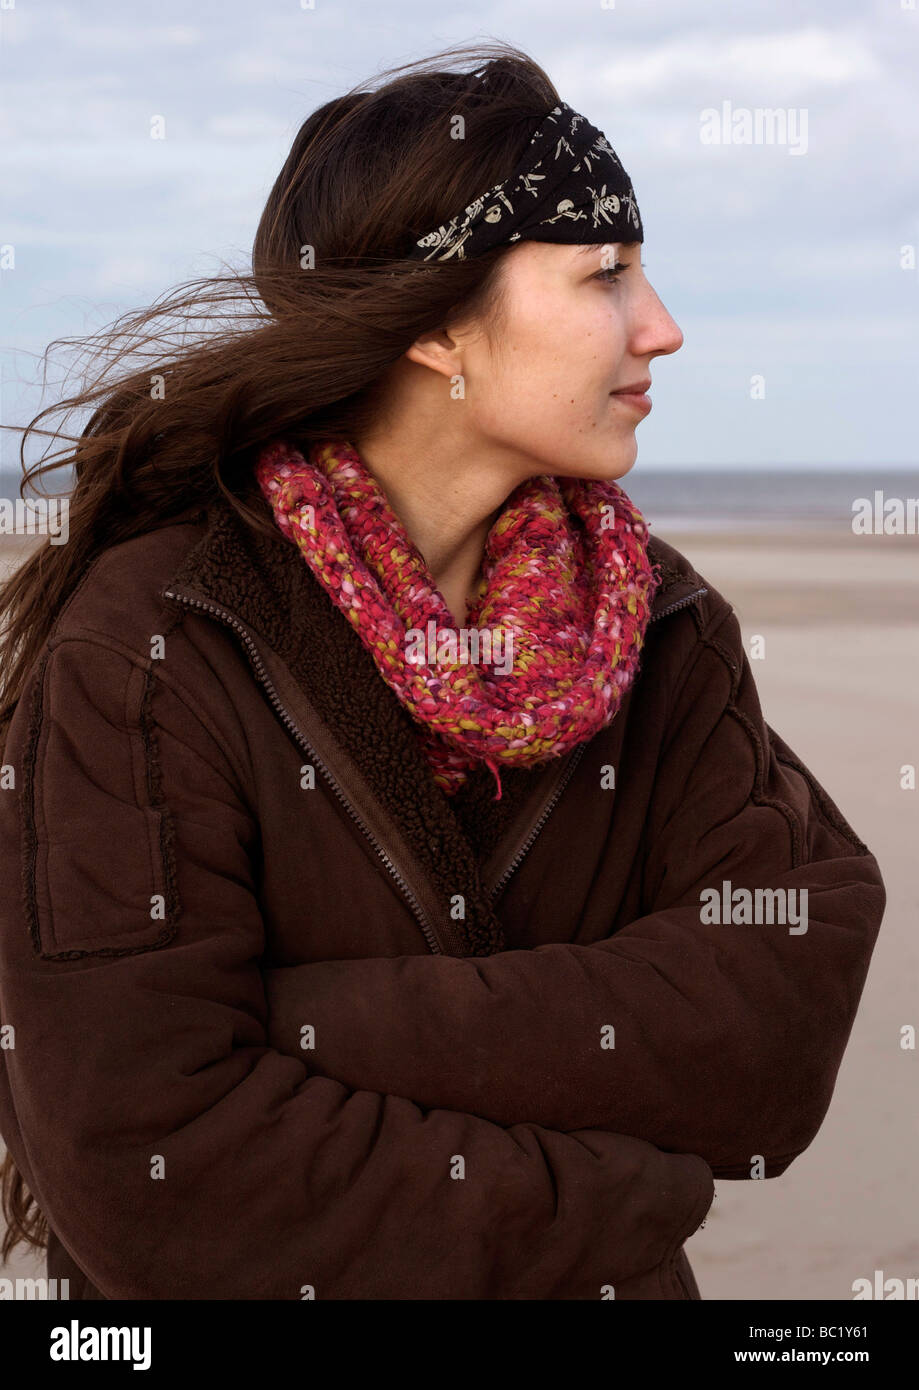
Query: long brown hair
[195, 383]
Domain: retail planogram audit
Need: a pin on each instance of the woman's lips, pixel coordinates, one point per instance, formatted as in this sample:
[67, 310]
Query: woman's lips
[636, 399]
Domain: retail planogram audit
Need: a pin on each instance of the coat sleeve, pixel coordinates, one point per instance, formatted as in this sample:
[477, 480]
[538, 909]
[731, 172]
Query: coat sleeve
[175, 1151]
[727, 1035]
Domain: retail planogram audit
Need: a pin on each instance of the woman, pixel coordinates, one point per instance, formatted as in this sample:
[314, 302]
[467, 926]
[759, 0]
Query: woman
[395, 821]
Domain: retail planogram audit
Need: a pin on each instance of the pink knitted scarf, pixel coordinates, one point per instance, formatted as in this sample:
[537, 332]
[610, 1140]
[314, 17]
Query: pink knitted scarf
[566, 591]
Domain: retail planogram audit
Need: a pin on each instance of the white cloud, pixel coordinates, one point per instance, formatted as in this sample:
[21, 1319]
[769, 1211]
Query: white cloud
[779, 62]
[246, 125]
[782, 263]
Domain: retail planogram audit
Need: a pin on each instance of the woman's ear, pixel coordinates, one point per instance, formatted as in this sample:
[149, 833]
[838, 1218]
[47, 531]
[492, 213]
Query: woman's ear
[439, 350]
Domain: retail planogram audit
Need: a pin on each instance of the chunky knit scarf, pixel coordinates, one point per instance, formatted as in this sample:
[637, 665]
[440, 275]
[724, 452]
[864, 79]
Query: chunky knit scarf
[566, 588]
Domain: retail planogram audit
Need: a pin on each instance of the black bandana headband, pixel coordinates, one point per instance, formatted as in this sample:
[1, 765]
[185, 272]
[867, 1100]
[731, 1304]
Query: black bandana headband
[568, 187]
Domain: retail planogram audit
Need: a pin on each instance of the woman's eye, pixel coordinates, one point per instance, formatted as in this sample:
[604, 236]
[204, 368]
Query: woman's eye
[614, 272]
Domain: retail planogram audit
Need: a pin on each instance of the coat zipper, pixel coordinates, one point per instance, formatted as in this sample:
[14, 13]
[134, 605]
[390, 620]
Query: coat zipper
[680, 603]
[304, 742]
[546, 811]
[258, 665]
[575, 758]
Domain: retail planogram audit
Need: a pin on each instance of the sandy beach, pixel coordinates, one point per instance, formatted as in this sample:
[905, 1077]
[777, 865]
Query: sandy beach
[839, 680]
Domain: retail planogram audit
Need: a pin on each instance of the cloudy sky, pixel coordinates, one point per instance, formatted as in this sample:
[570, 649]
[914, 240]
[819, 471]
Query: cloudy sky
[783, 261]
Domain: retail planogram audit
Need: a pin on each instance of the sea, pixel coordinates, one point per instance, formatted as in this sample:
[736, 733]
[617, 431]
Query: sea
[761, 499]
[735, 499]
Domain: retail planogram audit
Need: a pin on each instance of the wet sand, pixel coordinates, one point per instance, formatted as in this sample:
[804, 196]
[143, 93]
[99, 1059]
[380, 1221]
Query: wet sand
[840, 682]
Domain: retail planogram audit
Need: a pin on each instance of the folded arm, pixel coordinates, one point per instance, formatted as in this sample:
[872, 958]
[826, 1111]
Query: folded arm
[727, 1035]
[176, 1152]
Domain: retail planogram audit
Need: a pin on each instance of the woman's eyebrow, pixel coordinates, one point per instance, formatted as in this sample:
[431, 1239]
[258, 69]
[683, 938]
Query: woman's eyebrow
[602, 245]
[596, 246]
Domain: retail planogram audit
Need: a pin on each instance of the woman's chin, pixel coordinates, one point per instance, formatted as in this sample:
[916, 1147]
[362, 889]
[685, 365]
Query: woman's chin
[609, 468]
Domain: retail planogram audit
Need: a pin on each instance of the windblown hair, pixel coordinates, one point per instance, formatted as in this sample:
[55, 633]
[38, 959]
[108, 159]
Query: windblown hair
[193, 385]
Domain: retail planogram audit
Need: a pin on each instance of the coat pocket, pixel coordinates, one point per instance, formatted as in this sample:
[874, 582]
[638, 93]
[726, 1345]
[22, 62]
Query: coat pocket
[94, 841]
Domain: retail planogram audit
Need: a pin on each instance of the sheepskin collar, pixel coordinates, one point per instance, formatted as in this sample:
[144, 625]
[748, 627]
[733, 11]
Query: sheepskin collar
[329, 683]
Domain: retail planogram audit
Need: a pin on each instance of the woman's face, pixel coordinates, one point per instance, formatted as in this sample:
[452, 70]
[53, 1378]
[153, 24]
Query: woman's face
[539, 390]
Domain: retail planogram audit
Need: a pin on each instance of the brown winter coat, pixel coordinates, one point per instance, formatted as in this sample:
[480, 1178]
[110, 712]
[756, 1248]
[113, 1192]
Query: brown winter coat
[531, 1051]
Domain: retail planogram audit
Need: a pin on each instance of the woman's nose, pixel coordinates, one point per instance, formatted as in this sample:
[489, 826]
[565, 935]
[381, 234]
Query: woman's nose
[656, 331]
